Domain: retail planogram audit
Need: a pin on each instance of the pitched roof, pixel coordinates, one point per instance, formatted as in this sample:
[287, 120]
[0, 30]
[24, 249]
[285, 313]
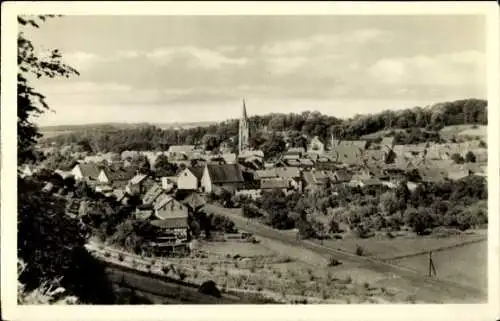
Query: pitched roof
[197, 171]
[175, 209]
[266, 173]
[171, 223]
[296, 150]
[89, 170]
[194, 201]
[152, 194]
[181, 148]
[138, 178]
[306, 162]
[251, 153]
[119, 194]
[270, 183]
[161, 201]
[341, 175]
[225, 173]
[229, 157]
[119, 174]
[287, 172]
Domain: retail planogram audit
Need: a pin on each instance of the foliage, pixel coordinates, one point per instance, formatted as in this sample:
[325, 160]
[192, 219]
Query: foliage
[457, 158]
[30, 102]
[210, 288]
[470, 157]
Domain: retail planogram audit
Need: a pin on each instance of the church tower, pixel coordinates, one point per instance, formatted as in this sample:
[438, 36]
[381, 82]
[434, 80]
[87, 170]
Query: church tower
[243, 131]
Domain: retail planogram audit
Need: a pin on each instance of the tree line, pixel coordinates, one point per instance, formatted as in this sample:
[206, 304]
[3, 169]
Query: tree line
[295, 126]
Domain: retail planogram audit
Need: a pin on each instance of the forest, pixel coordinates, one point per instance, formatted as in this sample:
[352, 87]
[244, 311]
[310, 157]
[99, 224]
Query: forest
[294, 126]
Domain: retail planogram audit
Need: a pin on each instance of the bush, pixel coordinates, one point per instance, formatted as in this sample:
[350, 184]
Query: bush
[333, 261]
[165, 269]
[209, 288]
[121, 257]
[470, 157]
[182, 275]
[360, 251]
[107, 254]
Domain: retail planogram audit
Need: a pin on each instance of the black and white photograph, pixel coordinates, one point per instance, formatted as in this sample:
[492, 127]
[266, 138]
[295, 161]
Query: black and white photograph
[251, 159]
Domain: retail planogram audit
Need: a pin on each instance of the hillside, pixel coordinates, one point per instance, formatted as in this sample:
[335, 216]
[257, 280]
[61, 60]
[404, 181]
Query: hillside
[422, 124]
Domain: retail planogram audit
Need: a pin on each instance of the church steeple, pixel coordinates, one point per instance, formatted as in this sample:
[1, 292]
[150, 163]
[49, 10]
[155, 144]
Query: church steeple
[243, 130]
[244, 115]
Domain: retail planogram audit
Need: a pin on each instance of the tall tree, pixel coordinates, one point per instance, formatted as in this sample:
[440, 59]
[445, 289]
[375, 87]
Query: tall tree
[30, 102]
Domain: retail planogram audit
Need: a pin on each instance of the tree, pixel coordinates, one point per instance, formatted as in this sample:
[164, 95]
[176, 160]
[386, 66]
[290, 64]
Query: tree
[470, 157]
[30, 102]
[275, 146]
[49, 241]
[163, 167]
[457, 158]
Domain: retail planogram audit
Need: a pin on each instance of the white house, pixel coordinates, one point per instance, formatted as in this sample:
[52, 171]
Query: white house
[316, 146]
[189, 178]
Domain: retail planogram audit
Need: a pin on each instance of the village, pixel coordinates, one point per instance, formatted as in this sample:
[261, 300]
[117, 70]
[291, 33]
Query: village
[220, 183]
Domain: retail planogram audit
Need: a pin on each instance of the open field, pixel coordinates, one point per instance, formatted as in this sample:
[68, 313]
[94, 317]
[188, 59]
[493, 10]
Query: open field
[465, 130]
[260, 270]
[385, 248]
[466, 264]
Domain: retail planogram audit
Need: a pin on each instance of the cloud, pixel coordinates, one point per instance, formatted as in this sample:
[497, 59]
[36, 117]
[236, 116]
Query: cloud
[449, 70]
[81, 60]
[194, 57]
[325, 42]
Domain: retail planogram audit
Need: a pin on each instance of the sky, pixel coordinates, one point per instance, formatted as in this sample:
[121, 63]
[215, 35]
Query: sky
[163, 69]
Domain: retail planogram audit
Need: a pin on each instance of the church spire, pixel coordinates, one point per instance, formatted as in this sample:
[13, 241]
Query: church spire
[243, 130]
[244, 115]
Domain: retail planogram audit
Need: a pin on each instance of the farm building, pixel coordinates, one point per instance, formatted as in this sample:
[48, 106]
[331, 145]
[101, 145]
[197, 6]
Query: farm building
[222, 176]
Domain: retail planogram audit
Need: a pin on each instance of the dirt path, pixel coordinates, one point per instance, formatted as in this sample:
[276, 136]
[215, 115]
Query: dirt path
[425, 287]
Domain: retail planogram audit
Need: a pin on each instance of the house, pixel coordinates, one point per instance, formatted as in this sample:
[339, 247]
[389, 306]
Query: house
[166, 207]
[194, 202]
[387, 142]
[341, 176]
[116, 177]
[251, 153]
[295, 151]
[27, 170]
[168, 183]
[180, 152]
[315, 180]
[316, 146]
[365, 182]
[189, 178]
[343, 144]
[152, 194]
[139, 184]
[274, 183]
[121, 196]
[86, 171]
[229, 158]
[221, 176]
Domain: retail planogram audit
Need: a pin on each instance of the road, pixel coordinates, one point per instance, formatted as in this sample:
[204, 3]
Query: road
[424, 287]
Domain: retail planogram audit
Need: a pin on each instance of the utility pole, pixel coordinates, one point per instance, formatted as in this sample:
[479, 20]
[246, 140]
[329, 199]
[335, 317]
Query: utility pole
[432, 267]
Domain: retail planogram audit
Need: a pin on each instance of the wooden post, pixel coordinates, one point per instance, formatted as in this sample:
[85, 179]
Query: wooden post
[430, 262]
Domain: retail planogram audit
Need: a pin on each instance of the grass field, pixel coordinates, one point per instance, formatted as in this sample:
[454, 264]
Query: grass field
[465, 130]
[385, 248]
[466, 265]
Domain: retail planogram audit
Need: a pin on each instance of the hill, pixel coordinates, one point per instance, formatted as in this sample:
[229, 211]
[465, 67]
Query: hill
[422, 123]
